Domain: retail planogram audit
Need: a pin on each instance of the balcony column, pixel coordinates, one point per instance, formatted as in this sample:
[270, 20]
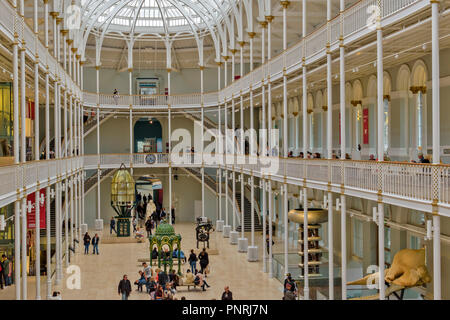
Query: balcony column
[58, 39]
[169, 136]
[130, 116]
[65, 187]
[47, 189]
[202, 141]
[437, 281]
[225, 71]
[264, 222]
[226, 227]
[70, 64]
[330, 156]
[233, 234]
[343, 147]
[37, 234]
[98, 221]
[54, 15]
[219, 222]
[270, 222]
[263, 126]
[242, 241]
[70, 155]
[64, 33]
[82, 225]
[270, 143]
[79, 195]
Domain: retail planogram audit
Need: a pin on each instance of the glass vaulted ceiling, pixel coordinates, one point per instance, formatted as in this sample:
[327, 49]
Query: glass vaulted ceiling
[155, 16]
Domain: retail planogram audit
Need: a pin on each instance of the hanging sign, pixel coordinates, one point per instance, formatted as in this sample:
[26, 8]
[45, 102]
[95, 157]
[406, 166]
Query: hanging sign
[31, 216]
[366, 126]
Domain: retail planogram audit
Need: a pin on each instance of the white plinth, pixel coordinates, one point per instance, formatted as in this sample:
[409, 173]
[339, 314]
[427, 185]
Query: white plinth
[219, 225]
[252, 254]
[226, 231]
[84, 228]
[234, 235]
[242, 244]
[99, 224]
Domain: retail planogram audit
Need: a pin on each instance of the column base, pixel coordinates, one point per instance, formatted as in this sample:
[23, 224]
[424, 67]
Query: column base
[242, 244]
[234, 235]
[226, 231]
[252, 253]
[84, 228]
[99, 224]
[219, 225]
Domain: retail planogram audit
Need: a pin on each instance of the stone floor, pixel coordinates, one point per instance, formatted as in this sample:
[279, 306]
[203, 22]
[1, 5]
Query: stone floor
[100, 274]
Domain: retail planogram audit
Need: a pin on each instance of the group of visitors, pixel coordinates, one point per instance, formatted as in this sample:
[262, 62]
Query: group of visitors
[290, 288]
[166, 254]
[203, 261]
[5, 272]
[88, 241]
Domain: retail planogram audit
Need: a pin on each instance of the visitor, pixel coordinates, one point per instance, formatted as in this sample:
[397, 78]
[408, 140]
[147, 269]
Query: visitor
[1, 277]
[6, 270]
[182, 256]
[172, 213]
[116, 96]
[124, 288]
[112, 226]
[227, 294]
[154, 216]
[149, 226]
[145, 199]
[422, 159]
[189, 277]
[372, 157]
[163, 214]
[87, 241]
[159, 293]
[174, 279]
[55, 296]
[155, 253]
[289, 284]
[147, 270]
[200, 280]
[193, 260]
[138, 198]
[204, 261]
[151, 285]
[162, 279]
[95, 241]
[268, 243]
[134, 222]
[141, 281]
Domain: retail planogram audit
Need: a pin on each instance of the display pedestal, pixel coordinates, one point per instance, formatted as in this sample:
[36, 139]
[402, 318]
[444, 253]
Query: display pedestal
[219, 225]
[252, 253]
[226, 231]
[99, 224]
[234, 235]
[242, 244]
[123, 227]
[84, 228]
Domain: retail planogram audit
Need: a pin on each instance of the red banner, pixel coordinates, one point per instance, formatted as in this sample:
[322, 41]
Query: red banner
[366, 126]
[31, 216]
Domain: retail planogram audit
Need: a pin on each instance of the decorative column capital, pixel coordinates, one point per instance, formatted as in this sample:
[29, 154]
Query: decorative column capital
[263, 24]
[251, 34]
[270, 18]
[285, 4]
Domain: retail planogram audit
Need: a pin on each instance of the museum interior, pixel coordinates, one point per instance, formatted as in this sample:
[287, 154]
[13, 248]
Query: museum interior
[304, 145]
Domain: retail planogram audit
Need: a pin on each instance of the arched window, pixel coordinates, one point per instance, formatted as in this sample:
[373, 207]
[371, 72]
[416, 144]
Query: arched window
[419, 89]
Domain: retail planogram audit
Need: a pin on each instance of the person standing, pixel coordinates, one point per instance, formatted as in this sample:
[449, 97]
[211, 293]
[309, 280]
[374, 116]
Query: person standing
[173, 215]
[6, 270]
[193, 261]
[95, 241]
[134, 222]
[163, 214]
[124, 288]
[148, 226]
[87, 241]
[204, 261]
[227, 294]
[112, 226]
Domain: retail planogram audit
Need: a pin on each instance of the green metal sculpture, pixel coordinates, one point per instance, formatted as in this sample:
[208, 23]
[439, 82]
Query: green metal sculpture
[123, 199]
[165, 236]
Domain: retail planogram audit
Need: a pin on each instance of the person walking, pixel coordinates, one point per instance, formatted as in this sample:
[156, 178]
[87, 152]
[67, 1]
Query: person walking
[204, 261]
[124, 288]
[95, 241]
[173, 215]
[112, 226]
[87, 241]
[227, 294]
[134, 222]
[193, 261]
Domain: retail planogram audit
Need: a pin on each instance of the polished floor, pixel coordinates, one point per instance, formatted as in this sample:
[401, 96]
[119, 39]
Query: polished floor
[100, 274]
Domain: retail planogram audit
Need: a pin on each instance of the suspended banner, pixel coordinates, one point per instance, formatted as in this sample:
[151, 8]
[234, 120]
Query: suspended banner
[366, 126]
[31, 216]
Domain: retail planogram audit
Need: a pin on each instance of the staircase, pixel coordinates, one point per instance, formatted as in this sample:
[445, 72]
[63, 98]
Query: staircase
[91, 181]
[248, 216]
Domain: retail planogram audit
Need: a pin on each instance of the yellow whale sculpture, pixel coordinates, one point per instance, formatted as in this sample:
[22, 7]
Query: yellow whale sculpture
[408, 270]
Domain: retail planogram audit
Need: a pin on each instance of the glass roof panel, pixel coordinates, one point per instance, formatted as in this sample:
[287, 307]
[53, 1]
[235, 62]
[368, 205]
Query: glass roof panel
[164, 15]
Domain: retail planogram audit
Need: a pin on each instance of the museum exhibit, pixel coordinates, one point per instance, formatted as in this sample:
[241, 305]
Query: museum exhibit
[281, 149]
